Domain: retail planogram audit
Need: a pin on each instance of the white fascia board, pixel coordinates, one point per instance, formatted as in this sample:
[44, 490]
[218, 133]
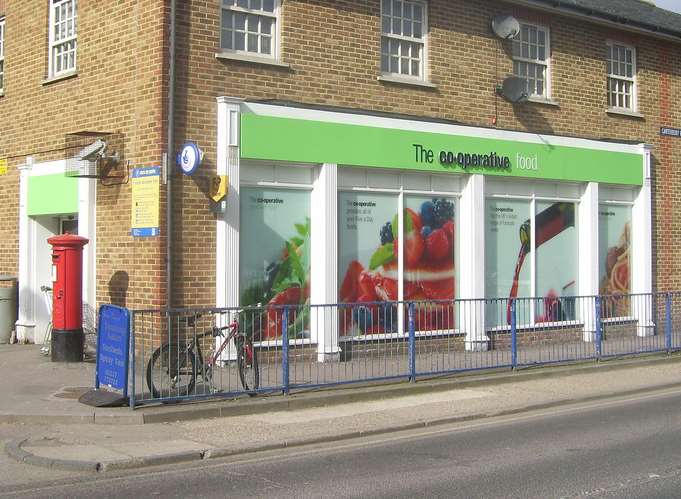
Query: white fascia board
[48, 168]
[431, 127]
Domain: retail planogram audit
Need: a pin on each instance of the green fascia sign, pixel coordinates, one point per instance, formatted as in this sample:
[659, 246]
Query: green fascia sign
[52, 195]
[308, 141]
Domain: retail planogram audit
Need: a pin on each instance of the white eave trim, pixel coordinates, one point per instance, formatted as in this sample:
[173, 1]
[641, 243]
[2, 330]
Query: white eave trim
[280, 111]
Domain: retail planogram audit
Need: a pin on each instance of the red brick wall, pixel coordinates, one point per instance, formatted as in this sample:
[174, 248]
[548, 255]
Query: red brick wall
[119, 88]
[333, 50]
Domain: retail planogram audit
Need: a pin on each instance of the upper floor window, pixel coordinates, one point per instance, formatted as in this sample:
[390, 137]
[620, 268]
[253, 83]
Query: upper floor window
[621, 67]
[63, 36]
[403, 37]
[250, 26]
[531, 51]
[2, 54]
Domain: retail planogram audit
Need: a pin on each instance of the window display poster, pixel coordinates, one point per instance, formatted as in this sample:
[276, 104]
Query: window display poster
[430, 260]
[614, 233]
[367, 261]
[507, 264]
[274, 249]
[556, 259]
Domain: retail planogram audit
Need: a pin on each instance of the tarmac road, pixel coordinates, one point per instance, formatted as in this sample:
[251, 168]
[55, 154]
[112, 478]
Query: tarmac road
[618, 447]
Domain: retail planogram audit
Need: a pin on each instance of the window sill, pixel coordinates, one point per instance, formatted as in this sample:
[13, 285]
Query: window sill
[545, 102]
[265, 61]
[65, 76]
[624, 112]
[406, 81]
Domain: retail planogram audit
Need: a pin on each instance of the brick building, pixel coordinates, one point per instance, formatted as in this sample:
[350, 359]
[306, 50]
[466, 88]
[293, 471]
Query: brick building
[339, 126]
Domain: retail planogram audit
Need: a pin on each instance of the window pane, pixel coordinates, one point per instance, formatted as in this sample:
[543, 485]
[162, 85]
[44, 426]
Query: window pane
[239, 41]
[407, 28]
[418, 12]
[418, 33]
[240, 21]
[256, 4]
[525, 51]
[242, 3]
[397, 26]
[252, 43]
[556, 260]
[387, 7]
[284, 215]
[404, 66]
[384, 63]
[253, 24]
[542, 54]
[366, 233]
[268, 5]
[394, 65]
[266, 45]
[226, 39]
[507, 264]
[614, 239]
[266, 25]
[397, 8]
[416, 68]
[227, 19]
[385, 26]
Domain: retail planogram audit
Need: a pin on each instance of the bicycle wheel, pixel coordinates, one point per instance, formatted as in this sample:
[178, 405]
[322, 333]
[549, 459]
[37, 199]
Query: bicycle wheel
[171, 372]
[247, 362]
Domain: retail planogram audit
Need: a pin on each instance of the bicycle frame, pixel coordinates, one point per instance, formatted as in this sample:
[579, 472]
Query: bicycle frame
[233, 333]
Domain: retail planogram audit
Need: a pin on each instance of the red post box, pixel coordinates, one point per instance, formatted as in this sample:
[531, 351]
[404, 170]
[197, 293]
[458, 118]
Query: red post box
[67, 296]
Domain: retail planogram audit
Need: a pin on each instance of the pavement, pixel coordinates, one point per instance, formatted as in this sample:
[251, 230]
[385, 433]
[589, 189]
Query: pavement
[43, 424]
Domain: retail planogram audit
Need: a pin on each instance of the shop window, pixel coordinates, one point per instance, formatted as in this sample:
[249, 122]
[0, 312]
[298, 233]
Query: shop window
[614, 237]
[531, 51]
[507, 258]
[368, 261]
[403, 37]
[2, 55]
[555, 244]
[369, 253]
[274, 249]
[63, 36]
[621, 68]
[250, 26]
[511, 251]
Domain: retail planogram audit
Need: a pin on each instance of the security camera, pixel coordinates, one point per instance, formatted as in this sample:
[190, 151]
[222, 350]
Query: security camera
[93, 152]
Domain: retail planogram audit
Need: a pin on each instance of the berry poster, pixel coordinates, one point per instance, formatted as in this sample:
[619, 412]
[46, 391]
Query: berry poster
[274, 259]
[369, 244]
[614, 227]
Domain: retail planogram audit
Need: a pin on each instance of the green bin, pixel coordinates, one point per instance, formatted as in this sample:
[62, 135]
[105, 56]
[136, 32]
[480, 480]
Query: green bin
[8, 306]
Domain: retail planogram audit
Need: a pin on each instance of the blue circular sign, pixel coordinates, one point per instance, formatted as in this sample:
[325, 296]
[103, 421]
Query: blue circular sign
[189, 158]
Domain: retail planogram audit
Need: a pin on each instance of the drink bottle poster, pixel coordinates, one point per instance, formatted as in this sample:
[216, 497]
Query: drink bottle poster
[507, 260]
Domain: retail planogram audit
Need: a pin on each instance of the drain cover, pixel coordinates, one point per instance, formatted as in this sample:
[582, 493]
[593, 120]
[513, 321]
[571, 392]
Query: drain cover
[102, 398]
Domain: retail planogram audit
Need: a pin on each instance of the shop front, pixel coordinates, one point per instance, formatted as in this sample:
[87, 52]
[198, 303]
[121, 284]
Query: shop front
[329, 207]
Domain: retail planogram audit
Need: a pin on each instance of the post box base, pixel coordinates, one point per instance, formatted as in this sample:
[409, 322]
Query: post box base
[67, 346]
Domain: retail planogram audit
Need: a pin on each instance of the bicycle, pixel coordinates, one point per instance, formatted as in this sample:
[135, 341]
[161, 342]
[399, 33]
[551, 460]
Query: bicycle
[176, 369]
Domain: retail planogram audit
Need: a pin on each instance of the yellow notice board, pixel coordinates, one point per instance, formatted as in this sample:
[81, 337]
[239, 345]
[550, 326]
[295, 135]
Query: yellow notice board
[146, 184]
[3, 167]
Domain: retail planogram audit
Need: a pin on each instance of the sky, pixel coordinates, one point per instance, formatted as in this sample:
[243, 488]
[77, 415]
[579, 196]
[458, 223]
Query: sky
[674, 5]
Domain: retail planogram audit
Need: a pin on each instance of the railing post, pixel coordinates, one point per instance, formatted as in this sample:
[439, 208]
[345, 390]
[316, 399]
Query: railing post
[668, 321]
[412, 345]
[131, 326]
[599, 328]
[284, 351]
[514, 336]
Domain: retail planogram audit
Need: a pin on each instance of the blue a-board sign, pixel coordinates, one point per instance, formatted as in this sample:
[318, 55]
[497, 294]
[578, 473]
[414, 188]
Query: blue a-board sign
[113, 346]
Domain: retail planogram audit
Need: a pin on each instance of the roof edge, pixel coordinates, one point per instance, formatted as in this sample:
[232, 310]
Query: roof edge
[557, 7]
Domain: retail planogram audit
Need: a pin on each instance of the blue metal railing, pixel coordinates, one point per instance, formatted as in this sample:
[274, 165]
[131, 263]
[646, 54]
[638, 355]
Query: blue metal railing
[301, 346]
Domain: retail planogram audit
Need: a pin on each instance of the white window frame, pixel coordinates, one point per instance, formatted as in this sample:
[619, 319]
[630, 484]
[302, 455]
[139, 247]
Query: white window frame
[546, 63]
[423, 41]
[610, 44]
[275, 34]
[2, 55]
[55, 44]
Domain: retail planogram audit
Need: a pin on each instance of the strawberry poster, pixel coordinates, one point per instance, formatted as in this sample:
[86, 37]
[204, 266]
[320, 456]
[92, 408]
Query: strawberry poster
[614, 224]
[369, 244]
[274, 248]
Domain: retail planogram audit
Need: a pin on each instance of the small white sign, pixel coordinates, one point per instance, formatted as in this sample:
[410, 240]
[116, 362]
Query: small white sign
[189, 158]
